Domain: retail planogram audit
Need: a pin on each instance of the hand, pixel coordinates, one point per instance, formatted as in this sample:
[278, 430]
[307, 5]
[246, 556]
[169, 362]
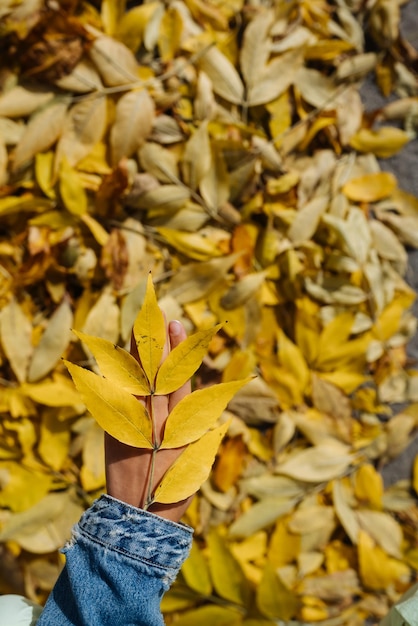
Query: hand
[128, 468]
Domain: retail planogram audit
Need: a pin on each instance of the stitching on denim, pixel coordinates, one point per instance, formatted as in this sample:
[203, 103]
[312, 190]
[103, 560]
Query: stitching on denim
[135, 557]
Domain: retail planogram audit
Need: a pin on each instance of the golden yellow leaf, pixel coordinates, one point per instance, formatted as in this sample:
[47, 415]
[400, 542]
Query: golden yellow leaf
[169, 39]
[227, 575]
[370, 187]
[368, 486]
[150, 334]
[191, 469]
[193, 245]
[44, 162]
[183, 361]
[197, 413]
[54, 441]
[284, 546]
[209, 615]
[384, 142]
[92, 473]
[115, 410]
[292, 360]
[96, 229]
[22, 487]
[131, 26]
[415, 476]
[117, 364]
[230, 464]
[196, 571]
[72, 191]
[274, 599]
[377, 569]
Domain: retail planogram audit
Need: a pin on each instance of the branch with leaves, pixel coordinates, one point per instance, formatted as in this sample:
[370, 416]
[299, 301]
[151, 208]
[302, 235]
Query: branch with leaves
[113, 401]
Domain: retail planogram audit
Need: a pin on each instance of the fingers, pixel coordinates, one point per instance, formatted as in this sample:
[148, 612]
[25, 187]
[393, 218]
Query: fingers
[177, 334]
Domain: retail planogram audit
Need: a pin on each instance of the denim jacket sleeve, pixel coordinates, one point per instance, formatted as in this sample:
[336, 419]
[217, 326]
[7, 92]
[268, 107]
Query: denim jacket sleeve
[119, 563]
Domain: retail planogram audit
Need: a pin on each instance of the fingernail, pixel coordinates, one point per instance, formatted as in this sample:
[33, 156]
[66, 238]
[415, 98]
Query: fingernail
[175, 328]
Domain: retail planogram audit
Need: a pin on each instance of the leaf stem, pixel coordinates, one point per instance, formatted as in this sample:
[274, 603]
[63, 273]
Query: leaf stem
[156, 447]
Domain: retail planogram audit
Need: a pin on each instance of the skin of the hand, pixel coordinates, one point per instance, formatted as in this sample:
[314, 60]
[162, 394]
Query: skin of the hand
[128, 468]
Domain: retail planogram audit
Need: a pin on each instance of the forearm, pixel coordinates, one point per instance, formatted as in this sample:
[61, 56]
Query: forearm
[119, 563]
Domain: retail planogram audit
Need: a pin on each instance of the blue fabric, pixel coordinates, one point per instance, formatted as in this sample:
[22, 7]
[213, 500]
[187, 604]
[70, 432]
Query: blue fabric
[119, 563]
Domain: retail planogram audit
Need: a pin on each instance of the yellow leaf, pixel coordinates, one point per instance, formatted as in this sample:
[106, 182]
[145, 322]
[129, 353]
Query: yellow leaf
[96, 229]
[291, 358]
[53, 342]
[115, 410]
[150, 334]
[183, 361]
[415, 477]
[117, 65]
[378, 570]
[135, 113]
[22, 487]
[230, 464]
[227, 575]
[196, 571]
[16, 338]
[171, 29]
[274, 599]
[44, 162]
[55, 440]
[384, 142]
[191, 469]
[46, 526]
[225, 78]
[368, 486]
[57, 392]
[284, 546]
[116, 364]
[71, 189]
[92, 473]
[132, 24]
[261, 515]
[370, 187]
[346, 515]
[210, 615]
[41, 133]
[197, 413]
[385, 530]
[320, 463]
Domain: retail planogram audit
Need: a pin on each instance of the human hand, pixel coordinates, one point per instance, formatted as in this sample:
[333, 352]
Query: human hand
[128, 469]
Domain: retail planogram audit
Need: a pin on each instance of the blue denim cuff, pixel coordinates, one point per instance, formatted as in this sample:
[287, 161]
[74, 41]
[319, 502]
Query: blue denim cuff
[136, 534]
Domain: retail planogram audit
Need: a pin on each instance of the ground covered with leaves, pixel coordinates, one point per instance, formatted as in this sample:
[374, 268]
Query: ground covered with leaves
[224, 147]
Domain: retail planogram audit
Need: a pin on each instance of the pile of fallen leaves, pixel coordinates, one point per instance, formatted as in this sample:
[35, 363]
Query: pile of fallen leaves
[224, 146]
